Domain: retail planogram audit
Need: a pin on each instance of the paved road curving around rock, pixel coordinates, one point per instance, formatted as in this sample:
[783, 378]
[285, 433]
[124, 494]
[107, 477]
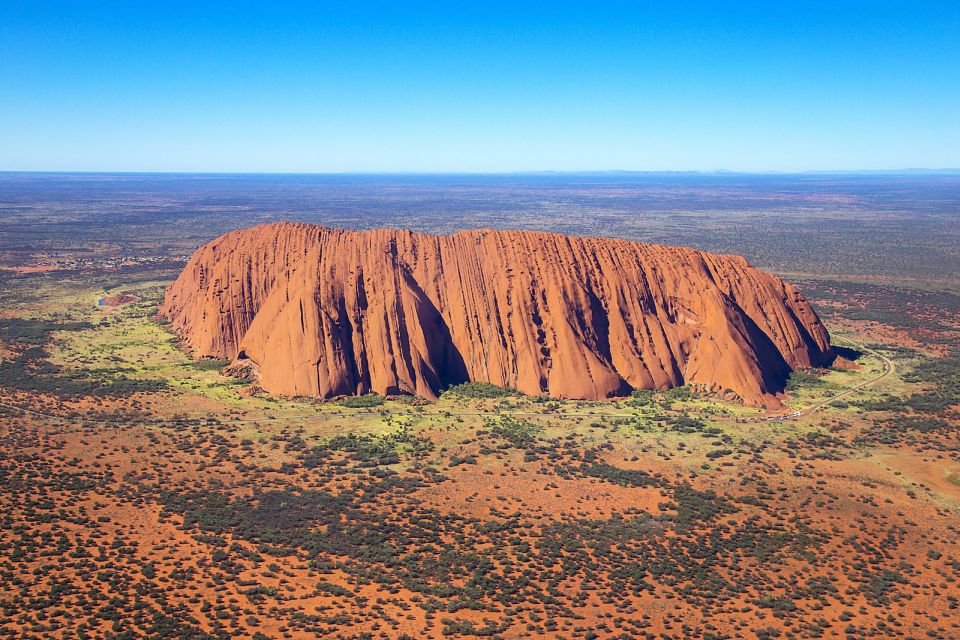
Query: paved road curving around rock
[888, 368]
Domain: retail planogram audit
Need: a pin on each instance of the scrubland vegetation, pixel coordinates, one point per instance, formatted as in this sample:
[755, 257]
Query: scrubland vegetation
[149, 495]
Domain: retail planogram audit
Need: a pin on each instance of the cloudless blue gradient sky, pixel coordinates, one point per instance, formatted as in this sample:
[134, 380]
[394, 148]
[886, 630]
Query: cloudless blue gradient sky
[450, 87]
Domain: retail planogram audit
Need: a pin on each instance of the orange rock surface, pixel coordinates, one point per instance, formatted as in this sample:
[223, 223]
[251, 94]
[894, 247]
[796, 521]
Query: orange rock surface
[327, 312]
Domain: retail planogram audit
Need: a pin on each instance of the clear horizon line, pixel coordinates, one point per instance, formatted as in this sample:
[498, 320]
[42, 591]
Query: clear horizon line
[572, 172]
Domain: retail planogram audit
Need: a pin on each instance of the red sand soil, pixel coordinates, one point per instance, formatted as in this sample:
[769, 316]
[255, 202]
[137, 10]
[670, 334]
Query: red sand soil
[876, 558]
[118, 300]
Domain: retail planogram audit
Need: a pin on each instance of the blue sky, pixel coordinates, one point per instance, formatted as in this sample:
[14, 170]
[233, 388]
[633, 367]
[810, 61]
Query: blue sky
[289, 87]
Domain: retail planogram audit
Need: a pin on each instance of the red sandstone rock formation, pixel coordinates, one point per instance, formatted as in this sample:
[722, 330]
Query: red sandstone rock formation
[327, 312]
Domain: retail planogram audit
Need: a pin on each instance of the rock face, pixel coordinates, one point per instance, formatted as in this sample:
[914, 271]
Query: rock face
[327, 312]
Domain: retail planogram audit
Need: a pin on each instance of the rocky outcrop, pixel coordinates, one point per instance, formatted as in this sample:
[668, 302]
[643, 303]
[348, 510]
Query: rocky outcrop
[327, 312]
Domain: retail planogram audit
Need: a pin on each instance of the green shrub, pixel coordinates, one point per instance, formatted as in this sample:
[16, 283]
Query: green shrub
[209, 364]
[678, 394]
[479, 390]
[366, 401]
[520, 433]
[800, 380]
[641, 397]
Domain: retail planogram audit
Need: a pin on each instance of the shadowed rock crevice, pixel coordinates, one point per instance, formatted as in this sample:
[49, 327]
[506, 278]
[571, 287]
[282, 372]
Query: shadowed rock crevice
[327, 311]
[775, 370]
[446, 367]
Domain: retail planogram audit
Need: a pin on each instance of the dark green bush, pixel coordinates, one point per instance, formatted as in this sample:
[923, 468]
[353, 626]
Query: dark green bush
[366, 401]
[479, 390]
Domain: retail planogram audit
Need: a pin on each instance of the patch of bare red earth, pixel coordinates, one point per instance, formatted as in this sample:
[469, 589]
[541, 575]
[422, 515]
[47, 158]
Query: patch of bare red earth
[865, 506]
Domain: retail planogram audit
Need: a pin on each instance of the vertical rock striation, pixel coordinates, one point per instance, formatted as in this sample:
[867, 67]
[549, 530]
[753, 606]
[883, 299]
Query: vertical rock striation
[327, 312]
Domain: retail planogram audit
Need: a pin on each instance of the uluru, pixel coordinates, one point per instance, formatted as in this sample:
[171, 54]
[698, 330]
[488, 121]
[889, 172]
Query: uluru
[327, 312]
